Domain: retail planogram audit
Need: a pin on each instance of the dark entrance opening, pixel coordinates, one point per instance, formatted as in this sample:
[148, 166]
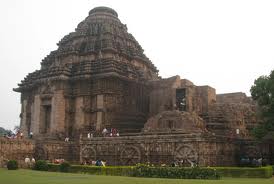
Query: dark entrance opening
[46, 119]
[181, 99]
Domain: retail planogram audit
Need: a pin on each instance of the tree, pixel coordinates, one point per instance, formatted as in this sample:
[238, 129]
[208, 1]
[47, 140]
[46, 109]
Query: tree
[263, 93]
[5, 132]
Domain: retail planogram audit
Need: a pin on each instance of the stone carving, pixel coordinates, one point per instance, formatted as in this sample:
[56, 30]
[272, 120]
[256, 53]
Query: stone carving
[130, 155]
[88, 154]
[186, 156]
[176, 121]
[40, 153]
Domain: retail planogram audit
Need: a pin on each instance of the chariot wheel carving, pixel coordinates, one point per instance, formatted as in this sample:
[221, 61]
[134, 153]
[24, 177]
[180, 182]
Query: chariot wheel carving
[186, 156]
[130, 155]
[40, 153]
[88, 154]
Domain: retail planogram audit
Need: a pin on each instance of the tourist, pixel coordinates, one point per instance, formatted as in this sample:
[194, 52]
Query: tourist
[260, 162]
[93, 162]
[98, 163]
[66, 139]
[104, 132]
[111, 132]
[114, 132]
[30, 135]
[32, 161]
[21, 135]
[88, 135]
[103, 163]
[27, 162]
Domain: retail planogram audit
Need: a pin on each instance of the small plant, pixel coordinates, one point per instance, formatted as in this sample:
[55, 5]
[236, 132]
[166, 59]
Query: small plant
[64, 167]
[12, 165]
[41, 165]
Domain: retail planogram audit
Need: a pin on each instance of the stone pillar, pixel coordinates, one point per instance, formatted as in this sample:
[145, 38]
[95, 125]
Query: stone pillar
[79, 113]
[57, 123]
[23, 123]
[36, 115]
[99, 114]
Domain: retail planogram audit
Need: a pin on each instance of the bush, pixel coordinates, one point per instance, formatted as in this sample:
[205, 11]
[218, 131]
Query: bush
[41, 165]
[170, 172]
[64, 167]
[12, 165]
[109, 170]
[176, 172]
[143, 171]
[53, 167]
[245, 172]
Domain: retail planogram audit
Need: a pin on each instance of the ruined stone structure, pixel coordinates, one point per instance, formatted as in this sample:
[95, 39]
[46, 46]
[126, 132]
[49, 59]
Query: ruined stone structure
[95, 79]
[99, 77]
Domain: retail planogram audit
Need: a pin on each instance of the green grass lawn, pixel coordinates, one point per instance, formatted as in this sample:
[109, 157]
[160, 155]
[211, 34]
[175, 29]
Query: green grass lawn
[35, 177]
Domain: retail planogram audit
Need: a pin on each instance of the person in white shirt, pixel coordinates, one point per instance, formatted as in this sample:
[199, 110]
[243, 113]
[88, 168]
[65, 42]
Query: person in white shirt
[30, 135]
[104, 132]
[27, 162]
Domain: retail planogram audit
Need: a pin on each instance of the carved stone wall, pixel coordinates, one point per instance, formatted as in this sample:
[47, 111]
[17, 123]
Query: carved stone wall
[17, 149]
[160, 149]
[175, 121]
[50, 150]
[226, 118]
[163, 96]
[233, 98]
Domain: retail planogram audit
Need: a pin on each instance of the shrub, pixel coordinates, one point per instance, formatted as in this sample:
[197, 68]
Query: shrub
[245, 162]
[176, 172]
[265, 162]
[12, 165]
[245, 172]
[41, 165]
[64, 167]
[143, 171]
[53, 167]
[109, 170]
[170, 172]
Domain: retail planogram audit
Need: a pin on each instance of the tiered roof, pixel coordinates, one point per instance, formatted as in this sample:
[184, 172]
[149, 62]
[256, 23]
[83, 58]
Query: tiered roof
[100, 32]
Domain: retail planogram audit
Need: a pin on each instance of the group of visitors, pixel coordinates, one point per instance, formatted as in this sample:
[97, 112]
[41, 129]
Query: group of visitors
[254, 162]
[18, 135]
[95, 163]
[112, 133]
[58, 161]
[29, 162]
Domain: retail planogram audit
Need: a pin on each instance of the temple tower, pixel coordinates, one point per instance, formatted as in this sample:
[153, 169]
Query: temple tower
[96, 78]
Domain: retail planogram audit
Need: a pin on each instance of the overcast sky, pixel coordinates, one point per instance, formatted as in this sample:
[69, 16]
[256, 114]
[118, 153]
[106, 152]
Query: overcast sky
[224, 44]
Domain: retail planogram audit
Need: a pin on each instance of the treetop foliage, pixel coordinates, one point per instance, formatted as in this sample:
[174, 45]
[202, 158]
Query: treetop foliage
[263, 93]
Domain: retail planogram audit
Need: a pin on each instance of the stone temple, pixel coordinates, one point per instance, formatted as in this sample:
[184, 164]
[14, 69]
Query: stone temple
[99, 77]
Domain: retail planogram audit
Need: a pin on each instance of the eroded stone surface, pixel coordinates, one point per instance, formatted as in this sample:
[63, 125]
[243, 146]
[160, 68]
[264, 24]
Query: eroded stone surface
[175, 120]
